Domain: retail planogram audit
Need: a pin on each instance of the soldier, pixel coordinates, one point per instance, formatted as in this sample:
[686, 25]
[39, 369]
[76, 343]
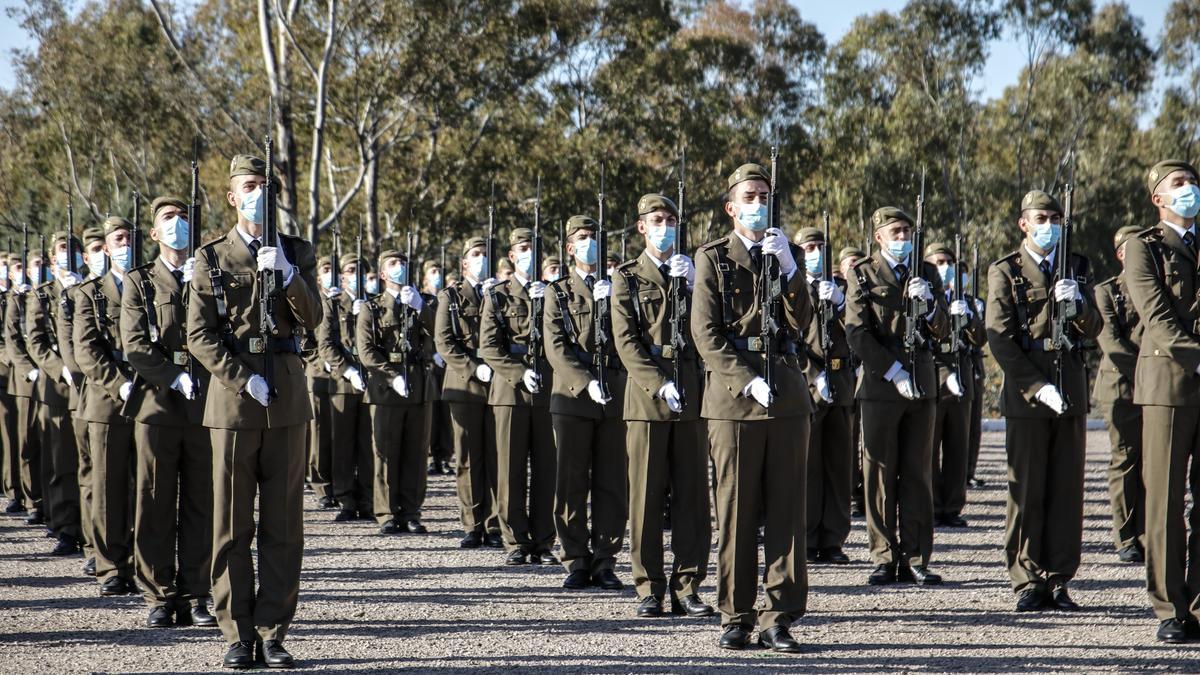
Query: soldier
[173, 524]
[664, 435]
[897, 401]
[1045, 425]
[976, 352]
[758, 430]
[504, 270]
[97, 262]
[848, 257]
[372, 284]
[320, 386]
[1119, 342]
[350, 416]
[520, 402]
[60, 458]
[441, 440]
[22, 386]
[551, 269]
[831, 386]
[109, 381]
[257, 426]
[465, 389]
[10, 463]
[589, 432]
[393, 337]
[956, 391]
[1163, 279]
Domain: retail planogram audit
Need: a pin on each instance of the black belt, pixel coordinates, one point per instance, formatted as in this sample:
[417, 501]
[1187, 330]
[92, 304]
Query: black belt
[257, 345]
[518, 350]
[757, 344]
[1038, 345]
[118, 355]
[609, 360]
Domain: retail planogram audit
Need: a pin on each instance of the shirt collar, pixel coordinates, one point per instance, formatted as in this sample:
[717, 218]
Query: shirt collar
[245, 237]
[394, 292]
[169, 266]
[646, 252]
[889, 260]
[584, 275]
[1039, 258]
[750, 243]
[1179, 230]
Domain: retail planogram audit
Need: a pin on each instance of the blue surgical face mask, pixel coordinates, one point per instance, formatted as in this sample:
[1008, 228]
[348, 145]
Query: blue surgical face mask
[812, 261]
[946, 272]
[586, 250]
[899, 249]
[552, 277]
[1045, 235]
[252, 207]
[60, 259]
[397, 273]
[97, 262]
[1185, 201]
[122, 258]
[477, 267]
[524, 263]
[174, 233]
[327, 280]
[753, 217]
[661, 237]
[435, 281]
[372, 286]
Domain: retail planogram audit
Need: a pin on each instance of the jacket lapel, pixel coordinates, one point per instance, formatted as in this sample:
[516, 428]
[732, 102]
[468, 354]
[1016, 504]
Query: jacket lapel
[648, 271]
[739, 254]
[1172, 239]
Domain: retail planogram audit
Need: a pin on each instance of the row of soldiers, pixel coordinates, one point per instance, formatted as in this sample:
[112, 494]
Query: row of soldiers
[563, 428]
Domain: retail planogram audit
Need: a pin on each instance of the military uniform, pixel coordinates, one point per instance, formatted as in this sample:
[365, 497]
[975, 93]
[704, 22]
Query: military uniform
[667, 449]
[524, 435]
[589, 437]
[174, 523]
[897, 431]
[440, 433]
[257, 450]
[320, 439]
[54, 414]
[456, 334]
[1045, 450]
[1119, 343]
[399, 424]
[975, 436]
[759, 453]
[24, 393]
[10, 463]
[100, 354]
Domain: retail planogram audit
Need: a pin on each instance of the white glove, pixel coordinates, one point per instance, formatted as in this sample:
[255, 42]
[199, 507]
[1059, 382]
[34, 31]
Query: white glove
[959, 308]
[601, 290]
[272, 258]
[597, 395]
[328, 368]
[125, 390]
[1048, 396]
[954, 385]
[183, 384]
[829, 291]
[412, 297]
[69, 279]
[681, 266]
[400, 385]
[488, 283]
[919, 288]
[978, 306]
[68, 377]
[32, 376]
[822, 382]
[356, 307]
[532, 382]
[21, 288]
[904, 384]
[258, 390]
[670, 393]
[777, 245]
[355, 378]
[483, 373]
[333, 292]
[760, 392]
[537, 290]
[437, 359]
[1066, 289]
[188, 269]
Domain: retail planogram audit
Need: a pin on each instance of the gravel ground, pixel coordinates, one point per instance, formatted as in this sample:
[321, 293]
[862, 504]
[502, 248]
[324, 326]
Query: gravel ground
[419, 603]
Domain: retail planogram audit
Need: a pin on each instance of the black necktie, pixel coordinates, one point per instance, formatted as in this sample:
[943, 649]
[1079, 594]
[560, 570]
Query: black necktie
[254, 246]
[756, 256]
[901, 271]
[589, 281]
[1045, 267]
[1189, 240]
[665, 270]
[178, 274]
[479, 291]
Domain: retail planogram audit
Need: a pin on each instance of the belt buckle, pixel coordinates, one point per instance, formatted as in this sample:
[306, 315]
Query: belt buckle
[395, 357]
[258, 345]
[180, 358]
[835, 364]
[668, 352]
[1048, 344]
[754, 344]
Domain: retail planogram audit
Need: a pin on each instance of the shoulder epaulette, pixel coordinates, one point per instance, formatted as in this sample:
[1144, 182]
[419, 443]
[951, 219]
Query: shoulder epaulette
[627, 264]
[1111, 281]
[715, 243]
[213, 242]
[145, 267]
[1150, 233]
[1007, 258]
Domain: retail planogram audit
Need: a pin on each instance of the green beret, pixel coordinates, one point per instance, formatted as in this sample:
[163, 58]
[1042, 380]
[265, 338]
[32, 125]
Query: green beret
[160, 202]
[505, 264]
[809, 234]
[577, 223]
[889, 214]
[938, 247]
[61, 235]
[1036, 200]
[519, 235]
[654, 202]
[851, 252]
[1164, 168]
[430, 264]
[474, 242]
[114, 223]
[747, 172]
[390, 253]
[324, 260]
[349, 259]
[1124, 234]
[247, 165]
[614, 259]
[550, 261]
[91, 234]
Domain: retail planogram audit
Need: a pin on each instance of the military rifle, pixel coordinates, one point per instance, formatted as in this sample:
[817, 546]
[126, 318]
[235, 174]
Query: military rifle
[1062, 311]
[915, 309]
[603, 308]
[270, 282]
[771, 286]
[828, 312]
[679, 292]
[537, 347]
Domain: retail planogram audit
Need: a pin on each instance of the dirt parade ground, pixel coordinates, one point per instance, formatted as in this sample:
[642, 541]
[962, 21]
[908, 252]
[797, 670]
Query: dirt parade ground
[419, 603]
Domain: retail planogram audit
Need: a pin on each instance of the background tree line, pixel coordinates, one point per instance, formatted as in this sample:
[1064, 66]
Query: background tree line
[401, 114]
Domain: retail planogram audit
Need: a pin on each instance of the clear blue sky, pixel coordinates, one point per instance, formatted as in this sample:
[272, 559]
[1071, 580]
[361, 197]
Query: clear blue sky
[832, 18]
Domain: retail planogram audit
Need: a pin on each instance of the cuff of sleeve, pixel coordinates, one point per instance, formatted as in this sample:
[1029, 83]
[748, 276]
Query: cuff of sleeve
[893, 371]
